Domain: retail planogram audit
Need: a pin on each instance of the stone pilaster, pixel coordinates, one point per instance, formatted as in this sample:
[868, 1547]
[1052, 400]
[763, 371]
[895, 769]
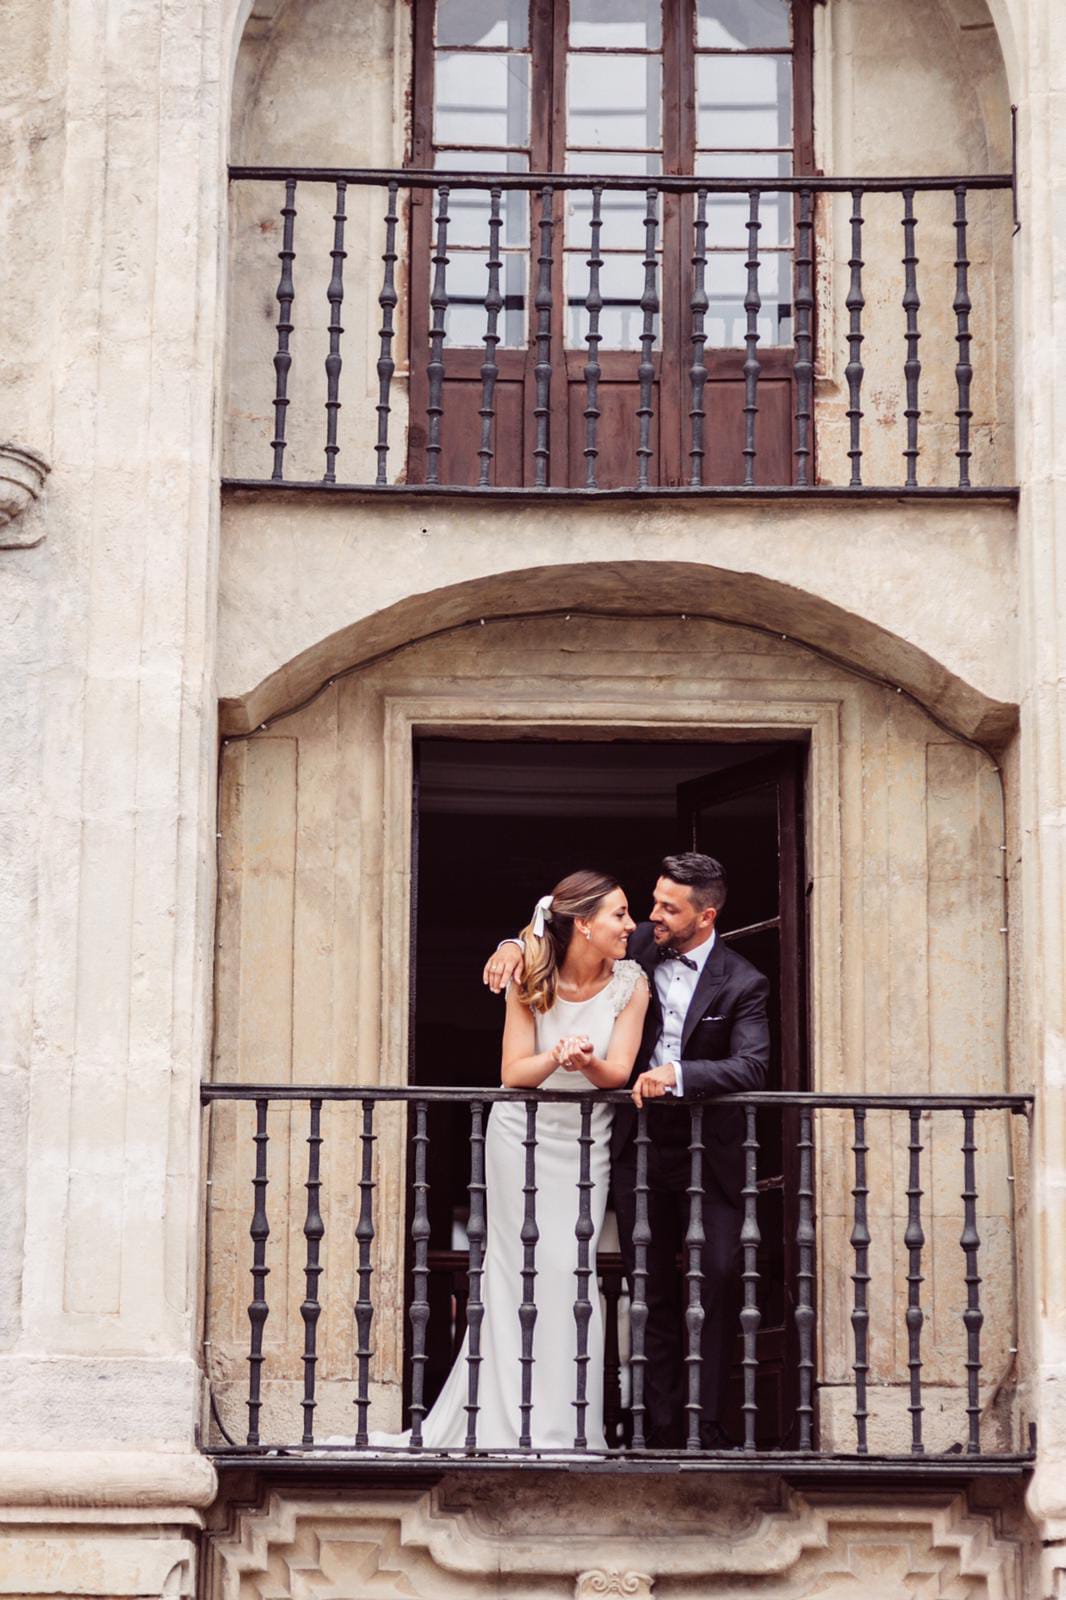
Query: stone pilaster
[1042, 533]
[113, 199]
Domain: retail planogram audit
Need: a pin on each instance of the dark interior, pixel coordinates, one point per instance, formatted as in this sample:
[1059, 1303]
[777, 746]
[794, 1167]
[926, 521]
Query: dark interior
[498, 823]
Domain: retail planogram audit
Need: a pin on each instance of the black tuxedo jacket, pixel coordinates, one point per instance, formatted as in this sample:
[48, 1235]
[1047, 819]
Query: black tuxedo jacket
[725, 1049]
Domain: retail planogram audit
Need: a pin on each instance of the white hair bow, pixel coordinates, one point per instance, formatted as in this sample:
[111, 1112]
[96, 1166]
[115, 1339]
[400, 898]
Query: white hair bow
[542, 913]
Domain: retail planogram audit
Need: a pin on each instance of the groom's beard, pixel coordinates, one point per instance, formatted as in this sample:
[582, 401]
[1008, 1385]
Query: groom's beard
[678, 936]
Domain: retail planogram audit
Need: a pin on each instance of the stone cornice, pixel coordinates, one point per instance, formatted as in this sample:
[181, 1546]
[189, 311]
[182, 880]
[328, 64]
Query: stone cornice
[138, 1479]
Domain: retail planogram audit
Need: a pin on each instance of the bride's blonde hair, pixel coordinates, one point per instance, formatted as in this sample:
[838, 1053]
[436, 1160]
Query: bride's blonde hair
[580, 894]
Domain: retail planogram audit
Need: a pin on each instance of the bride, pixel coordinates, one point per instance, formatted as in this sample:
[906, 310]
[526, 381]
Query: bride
[573, 1023]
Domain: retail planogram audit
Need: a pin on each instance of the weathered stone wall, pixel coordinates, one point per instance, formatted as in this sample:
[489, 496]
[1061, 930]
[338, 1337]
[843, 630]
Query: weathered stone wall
[110, 157]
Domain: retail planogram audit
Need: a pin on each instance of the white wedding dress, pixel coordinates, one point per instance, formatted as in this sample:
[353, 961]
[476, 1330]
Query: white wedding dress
[554, 1390]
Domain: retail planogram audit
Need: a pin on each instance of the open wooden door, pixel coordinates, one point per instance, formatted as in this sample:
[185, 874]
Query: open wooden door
[750, 817]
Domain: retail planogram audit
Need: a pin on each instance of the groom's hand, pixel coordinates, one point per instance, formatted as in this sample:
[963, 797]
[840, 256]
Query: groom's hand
[503, 966]
[651, 1085]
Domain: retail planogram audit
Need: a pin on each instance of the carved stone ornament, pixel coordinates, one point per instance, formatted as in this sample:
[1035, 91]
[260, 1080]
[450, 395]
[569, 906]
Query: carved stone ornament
[600, 1581]
[22, 475]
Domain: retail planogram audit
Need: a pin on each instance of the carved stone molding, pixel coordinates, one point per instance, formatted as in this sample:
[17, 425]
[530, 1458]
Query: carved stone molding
[598, 1581]
[22, 475]
[528, 1539]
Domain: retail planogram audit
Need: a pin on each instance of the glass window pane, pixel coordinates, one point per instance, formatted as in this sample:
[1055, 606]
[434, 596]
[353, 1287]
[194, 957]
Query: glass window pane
[629, 24]
[744, 163]
[621, 286]
[743, 24]
[727, 221]
[621, 210]
[468, 284]
[727, 280]
[613, 101]
[743, 101]
[468, 209]
[728, 214]
[481, 99]
[499, 22]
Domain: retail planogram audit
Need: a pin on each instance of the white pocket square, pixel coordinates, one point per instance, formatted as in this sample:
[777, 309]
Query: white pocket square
[713, 1016]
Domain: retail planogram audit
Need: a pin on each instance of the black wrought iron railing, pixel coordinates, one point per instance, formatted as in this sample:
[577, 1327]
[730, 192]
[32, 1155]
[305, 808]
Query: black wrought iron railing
[934, 1149]
[561, 333]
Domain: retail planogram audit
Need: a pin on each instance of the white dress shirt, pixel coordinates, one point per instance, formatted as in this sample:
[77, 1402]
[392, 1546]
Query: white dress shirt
[675, 984]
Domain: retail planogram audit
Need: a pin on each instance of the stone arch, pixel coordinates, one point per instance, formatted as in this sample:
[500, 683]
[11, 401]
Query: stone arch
[637, 589]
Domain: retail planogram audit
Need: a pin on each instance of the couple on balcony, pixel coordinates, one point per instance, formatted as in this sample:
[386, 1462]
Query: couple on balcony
[595, 1001]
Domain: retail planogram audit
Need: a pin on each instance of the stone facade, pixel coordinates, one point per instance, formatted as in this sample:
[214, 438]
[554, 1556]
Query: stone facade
[143, 614]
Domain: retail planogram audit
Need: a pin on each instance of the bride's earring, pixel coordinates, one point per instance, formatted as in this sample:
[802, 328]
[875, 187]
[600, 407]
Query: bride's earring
[588, 933]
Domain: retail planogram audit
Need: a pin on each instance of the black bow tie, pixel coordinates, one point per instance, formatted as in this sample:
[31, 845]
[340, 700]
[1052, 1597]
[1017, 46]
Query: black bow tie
[675, 955]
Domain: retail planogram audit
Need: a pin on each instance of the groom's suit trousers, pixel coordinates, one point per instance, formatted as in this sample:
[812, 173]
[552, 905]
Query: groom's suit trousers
[665, 1380]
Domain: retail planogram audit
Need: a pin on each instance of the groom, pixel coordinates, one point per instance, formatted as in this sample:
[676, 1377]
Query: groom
[706, 1033]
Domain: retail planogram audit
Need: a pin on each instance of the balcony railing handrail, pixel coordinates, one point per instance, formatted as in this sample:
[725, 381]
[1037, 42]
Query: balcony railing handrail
[1017, 1104]
[422, 178]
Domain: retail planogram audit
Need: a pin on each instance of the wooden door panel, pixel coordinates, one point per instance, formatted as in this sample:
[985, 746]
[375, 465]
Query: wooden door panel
[753, 812]
[461, 433]
[724, 431]
[617, 434]
[461, 420]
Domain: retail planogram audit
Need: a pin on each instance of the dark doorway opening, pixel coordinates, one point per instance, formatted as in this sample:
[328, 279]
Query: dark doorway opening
[496, 824]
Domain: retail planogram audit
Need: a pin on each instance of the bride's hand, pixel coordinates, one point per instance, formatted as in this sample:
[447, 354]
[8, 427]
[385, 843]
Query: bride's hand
[584, 1054]
[574, 1052]
[571, 1054]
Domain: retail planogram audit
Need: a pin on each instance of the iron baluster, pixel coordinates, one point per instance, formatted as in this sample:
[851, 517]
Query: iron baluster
[752, 368]
[972, 1317]
[387, 300]
[750, 1239]
[694, 1242]
[593, 306]
[335, 296]
[364, 1305]
[804, 364]
[582, 1304]
[438, 299]
[286, 294]
[962, 307]
[698, 369]
[912, 367]
[314, 1229]
[489, 368]
[258, 1309]
[527, 1311]
[914, 1239]
[638, 1310]
[860, 1244]
[611, 1288]
[805, 1282]
[420, 1276]
[853, 372]
[649, 304]
[542, 371]
[475, 1307]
